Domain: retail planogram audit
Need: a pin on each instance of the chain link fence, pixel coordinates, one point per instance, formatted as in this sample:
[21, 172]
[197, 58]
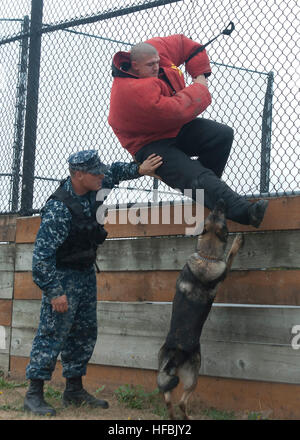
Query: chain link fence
[54, 93]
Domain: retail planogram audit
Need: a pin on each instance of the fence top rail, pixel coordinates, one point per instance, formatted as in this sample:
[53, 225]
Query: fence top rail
[111, 13]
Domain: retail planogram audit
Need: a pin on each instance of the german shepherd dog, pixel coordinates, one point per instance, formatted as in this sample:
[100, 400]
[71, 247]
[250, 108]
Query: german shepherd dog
[196, 288]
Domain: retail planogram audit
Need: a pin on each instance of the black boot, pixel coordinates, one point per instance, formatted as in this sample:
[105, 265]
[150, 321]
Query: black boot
[256, 212]
[75, 394]
[34, 399]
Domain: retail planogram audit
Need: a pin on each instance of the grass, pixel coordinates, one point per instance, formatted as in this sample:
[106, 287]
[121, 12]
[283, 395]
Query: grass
[4, 384]
[98, 390]
[129, 400]
[256, 416]
[10, 385]
[52, 393]
[216, 414]
[8, 408]
[136, 397]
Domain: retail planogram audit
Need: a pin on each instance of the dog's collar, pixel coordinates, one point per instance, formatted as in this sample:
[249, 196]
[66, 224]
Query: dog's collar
[208, 258]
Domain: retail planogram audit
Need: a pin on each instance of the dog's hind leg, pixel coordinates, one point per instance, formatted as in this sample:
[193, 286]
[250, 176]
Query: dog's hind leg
[184, 401]
[166, 378]
[169, 405]
[188, 374]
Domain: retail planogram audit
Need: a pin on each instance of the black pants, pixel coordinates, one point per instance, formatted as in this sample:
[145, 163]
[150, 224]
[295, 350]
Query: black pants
[210, 142]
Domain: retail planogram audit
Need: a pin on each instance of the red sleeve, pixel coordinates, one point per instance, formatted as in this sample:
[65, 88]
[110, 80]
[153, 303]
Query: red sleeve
[178, 49]
[148, 109]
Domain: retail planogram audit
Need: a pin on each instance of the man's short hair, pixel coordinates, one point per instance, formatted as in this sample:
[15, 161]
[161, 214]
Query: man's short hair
[140, 50]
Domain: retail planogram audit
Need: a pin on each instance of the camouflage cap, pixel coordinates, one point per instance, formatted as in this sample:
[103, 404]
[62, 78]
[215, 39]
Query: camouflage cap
[87, 161]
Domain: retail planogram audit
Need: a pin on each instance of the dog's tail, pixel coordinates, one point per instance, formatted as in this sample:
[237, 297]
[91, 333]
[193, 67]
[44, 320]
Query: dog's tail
[166, 378]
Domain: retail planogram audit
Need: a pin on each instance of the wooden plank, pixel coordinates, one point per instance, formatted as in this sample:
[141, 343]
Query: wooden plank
[24, 286]
[6, 284]
[4, 348]
[251, 361]
[7, 227]
[226, 322]
[26, 314]
[283, 214]
[7, 257]
[261, 251]
[264, 287]
[238, 341]
[219, 358]
[27, 228]
[21, 341]
[127, 351]
[276, 400]
[5, 312]
[23, 260]
[4, 363]
[222, 359]
[175, 219]
[279, 287]
[275, 219]
[136, 286]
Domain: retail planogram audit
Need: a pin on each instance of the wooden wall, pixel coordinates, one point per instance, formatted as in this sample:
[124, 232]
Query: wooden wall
[7, 260]
[248, 359]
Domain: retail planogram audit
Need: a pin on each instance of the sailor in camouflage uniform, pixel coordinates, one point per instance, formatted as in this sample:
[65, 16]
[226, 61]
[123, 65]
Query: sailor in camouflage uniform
[63, 267]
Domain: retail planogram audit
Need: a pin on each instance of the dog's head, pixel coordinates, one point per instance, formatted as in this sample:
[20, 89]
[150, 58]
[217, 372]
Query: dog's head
[213, 238]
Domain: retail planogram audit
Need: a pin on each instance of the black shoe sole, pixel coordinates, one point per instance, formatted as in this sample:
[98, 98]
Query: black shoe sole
[67, 403]
[40, 413]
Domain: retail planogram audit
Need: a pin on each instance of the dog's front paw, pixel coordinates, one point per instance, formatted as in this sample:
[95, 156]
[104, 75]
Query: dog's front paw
[238, 242]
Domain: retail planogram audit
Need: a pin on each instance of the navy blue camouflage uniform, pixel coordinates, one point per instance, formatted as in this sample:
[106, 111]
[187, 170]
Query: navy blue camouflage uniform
[72, 334]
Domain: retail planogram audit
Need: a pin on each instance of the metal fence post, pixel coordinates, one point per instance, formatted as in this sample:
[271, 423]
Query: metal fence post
[266, 137]
[19, 118]
[31, 106]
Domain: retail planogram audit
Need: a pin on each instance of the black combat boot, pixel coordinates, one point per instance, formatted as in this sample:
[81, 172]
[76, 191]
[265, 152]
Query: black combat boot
[34, 399]
[257, 211]
[75, 394]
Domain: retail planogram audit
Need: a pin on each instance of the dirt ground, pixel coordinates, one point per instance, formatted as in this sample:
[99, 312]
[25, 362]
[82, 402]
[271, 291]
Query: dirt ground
[11, 407]
[124, 404]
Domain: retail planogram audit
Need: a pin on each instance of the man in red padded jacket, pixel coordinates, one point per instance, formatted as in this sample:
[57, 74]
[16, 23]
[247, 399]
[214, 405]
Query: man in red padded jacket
[153, 111]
